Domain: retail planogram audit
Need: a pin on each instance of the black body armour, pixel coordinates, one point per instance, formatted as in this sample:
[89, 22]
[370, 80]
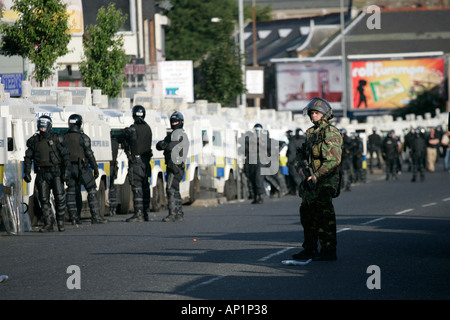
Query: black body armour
[74, 146]
[143, 143]
[45, 152]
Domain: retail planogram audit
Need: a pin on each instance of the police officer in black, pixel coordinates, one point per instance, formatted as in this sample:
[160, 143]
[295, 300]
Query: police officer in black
[52, 165]
[175, 147]
[418, 145]
[256, 145]
[390, 153]
[138, 146]
[114, 168]
[82, 161]
[374, 147]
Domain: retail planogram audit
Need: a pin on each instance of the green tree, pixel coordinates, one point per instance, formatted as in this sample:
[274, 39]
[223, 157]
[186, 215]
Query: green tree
[220, 74]
[105, 59]
[40, 34]
[192, 35]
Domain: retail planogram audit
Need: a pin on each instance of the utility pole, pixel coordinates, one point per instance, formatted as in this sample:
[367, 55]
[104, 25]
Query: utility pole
[344, 65]
[242, 50]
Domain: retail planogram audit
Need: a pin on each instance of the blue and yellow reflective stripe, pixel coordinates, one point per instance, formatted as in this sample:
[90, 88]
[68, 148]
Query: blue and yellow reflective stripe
[2, 169]
[284, 170]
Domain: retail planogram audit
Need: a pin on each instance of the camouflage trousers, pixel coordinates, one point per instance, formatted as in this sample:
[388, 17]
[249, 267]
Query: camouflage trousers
[319, 223]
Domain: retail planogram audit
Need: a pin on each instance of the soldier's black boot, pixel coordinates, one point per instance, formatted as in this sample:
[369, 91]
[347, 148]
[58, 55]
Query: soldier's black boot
[136, 217]
[304, 254]
[413, 178]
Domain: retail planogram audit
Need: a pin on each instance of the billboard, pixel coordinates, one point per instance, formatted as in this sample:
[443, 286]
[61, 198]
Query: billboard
[393, 83]
[177, 78]
[299, 82]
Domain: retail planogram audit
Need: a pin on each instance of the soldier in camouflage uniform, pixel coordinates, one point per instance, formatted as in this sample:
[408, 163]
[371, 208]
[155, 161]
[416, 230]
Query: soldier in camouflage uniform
[321, 183]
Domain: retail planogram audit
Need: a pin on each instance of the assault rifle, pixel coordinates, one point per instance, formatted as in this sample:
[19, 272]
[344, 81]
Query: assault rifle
[308, 172]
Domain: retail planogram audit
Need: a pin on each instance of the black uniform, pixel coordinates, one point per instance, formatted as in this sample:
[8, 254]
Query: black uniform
[113, 176]
[175, 147]
[138, 138]
[52, 164]
[390, 152]
[346, 162]
[82, 161]
[374, 146]
[255, 145]
[418, 145]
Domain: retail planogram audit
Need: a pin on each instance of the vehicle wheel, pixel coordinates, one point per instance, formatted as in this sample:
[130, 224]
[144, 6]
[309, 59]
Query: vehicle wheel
[158, 195]
[230, 188]
[194, 188]
[101, 195]
[126, 198]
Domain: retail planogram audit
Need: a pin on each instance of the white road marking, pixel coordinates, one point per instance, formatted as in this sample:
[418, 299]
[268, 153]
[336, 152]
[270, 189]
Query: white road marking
[429, 204]
[404, 211]
[275, 254]
[372, 221]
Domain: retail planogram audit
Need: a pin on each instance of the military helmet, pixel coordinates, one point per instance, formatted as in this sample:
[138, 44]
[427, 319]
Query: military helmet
[176, 120]
[138, 112]
[75, 120]
[319, 105]
[45, 122]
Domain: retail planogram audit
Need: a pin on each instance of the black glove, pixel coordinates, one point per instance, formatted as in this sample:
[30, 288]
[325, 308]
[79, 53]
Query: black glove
[27, 177]
[96, 173]
[66, 175]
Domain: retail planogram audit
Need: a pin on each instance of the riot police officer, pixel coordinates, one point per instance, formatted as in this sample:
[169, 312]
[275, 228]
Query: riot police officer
[175, 147]
[255, 146]
[390, 153]
[82, 160]
[418, 145]
[52, 165]
[138, 147]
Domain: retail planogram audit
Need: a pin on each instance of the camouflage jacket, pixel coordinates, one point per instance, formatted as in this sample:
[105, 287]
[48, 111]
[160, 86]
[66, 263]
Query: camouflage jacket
[323, 151]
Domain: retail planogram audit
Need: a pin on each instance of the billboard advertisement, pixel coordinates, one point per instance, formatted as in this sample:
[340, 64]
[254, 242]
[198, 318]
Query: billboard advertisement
[177, 78]
[393, 83]
[299, 82]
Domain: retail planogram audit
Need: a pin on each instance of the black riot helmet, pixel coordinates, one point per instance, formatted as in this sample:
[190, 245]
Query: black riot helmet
[138, 113]
[75, 120]
[320, 105]
[44, 122]
[176, 120]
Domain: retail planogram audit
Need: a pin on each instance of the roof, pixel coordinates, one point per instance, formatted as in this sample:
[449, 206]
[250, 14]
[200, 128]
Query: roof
[281, 38]
[402, 31]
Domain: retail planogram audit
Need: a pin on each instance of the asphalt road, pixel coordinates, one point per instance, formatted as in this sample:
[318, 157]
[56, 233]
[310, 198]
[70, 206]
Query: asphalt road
[233, 251]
